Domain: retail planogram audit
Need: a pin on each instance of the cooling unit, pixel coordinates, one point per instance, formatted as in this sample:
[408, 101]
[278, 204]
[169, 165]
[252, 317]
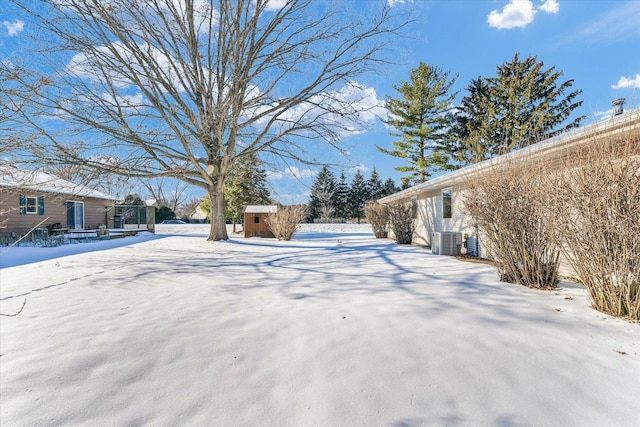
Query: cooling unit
[446, 243]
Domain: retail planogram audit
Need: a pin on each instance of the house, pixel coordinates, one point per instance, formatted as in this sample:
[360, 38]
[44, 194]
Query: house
[255, 220]
[36, 200]
[442, 222]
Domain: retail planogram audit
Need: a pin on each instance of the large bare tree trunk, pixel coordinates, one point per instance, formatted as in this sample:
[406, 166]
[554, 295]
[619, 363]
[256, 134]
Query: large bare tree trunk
[218, 229]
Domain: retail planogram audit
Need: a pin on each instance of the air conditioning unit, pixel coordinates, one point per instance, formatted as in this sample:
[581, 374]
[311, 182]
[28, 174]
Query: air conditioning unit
[446, 243]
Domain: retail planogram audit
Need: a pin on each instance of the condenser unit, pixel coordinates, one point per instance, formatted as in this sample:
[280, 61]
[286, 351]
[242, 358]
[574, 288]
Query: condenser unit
[446, 243]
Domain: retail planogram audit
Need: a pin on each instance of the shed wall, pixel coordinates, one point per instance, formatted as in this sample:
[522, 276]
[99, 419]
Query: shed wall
[256, 229]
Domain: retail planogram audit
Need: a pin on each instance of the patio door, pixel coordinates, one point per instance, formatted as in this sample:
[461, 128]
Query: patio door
[75, 215]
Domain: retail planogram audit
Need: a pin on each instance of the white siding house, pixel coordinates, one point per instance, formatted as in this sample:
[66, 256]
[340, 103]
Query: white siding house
[440, 201]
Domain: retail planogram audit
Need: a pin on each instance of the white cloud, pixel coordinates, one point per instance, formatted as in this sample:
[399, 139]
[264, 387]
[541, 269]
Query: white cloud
[550, 6]
[291, 172]
[626, 82]
[395, 2]
[13, 28]
[519, 13]
[295, 173]
[276, 4]
[274, 174]
[89, 65]
[360, 167]
[341, 113]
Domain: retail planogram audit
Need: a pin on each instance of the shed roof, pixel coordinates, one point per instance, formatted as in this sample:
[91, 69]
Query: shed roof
[261, 209]
[11, 176]
[552, 147]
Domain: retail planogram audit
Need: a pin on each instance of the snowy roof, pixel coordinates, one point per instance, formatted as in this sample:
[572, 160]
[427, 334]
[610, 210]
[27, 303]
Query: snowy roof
[617, 125]
[10, 176]
[261, 209]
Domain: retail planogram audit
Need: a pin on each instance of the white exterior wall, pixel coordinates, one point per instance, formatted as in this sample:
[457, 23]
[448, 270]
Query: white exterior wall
[430, 219]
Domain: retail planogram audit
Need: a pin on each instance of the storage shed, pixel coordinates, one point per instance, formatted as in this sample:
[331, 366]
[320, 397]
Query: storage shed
[255, 220]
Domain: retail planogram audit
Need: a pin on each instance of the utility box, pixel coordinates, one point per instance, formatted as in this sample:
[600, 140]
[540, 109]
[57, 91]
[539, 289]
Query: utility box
[446, 243]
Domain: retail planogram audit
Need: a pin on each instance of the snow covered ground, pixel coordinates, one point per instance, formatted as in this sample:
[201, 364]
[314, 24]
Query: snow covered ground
[332, 328]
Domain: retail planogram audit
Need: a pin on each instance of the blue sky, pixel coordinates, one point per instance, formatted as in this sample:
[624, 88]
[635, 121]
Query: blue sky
[596, 43]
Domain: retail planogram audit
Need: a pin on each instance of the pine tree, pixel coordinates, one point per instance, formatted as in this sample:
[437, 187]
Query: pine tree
[357, 196]
[322, 195]
[389, 188]
[341, 198]
[522, 105]
[246, 184]
[420, 121]
[471, 141]
[374, 186]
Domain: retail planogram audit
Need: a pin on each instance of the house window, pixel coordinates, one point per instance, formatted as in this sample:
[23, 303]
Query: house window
[447, 205]
[256, 220]
[31, 205]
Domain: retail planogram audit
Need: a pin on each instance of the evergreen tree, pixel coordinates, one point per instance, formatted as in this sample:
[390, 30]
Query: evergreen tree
[341, 198]
[389, 188]
[374, 186]
[246, 184]
[163, 213]
[470, 141]
[522, 105]
[357, 196]
[322, 195]
[420, 122]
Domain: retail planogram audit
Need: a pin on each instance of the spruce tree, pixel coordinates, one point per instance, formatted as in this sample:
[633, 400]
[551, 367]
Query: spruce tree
[357, 196]
[374, 186]
[522, 105]
[420, 121]
[322, 195]
[389, 188]
[341, 198]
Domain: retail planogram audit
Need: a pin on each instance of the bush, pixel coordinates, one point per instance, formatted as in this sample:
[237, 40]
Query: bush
[511, 206]
[402, 219]
[598, 223]
[285, 222]
[377, 215]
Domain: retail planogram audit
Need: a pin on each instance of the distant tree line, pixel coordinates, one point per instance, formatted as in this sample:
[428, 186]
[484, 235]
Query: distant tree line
[333, 198]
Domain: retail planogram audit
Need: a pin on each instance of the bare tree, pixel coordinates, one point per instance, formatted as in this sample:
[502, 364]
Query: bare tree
[511, 204]
[402, 217]
[187, 208]
[286, 221]
[165, 192]
[184, 89]
[597, 213]
[377, 215]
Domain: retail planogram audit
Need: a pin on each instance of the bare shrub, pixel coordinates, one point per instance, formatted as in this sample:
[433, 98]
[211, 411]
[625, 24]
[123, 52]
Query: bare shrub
[285, 222]
[598, 223]
[377, 215]
[402, 219]
[510, 205]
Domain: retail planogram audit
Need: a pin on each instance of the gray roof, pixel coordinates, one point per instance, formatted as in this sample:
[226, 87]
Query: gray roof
[11, 176]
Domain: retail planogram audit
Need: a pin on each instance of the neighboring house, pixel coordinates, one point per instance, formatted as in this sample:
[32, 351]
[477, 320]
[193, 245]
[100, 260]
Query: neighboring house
[255, 220]
[198, 216]
[442, 222]
[31, 200]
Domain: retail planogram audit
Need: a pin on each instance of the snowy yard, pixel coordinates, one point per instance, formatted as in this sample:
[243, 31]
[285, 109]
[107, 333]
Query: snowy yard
[332, 328]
